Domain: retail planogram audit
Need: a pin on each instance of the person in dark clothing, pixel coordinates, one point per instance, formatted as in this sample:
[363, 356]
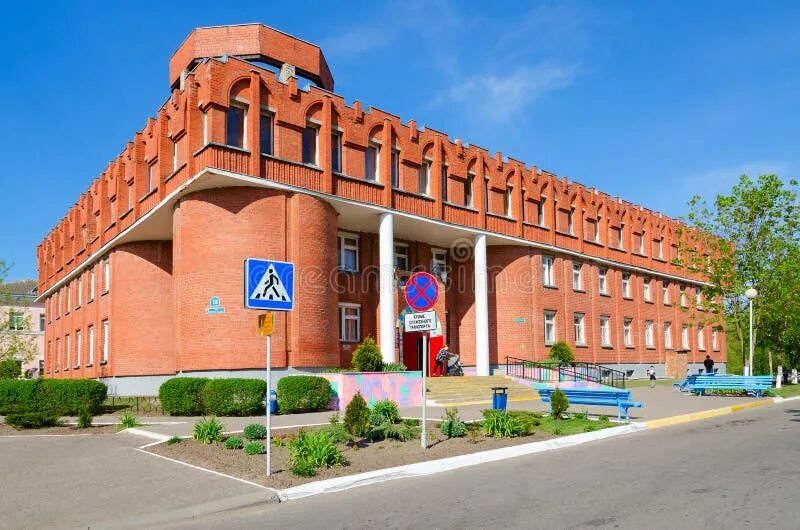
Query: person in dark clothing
[709, 364]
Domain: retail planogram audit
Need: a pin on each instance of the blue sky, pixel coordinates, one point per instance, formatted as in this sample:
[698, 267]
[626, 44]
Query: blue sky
[650, 101]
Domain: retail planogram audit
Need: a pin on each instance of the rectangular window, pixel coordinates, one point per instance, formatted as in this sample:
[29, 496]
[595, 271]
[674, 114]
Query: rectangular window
[648, 334]
[683, 296]
[714, 339]
[626, 285]
[152, 177]
[174, 155]
[602, 283]
[58, 354]
[90, 356]
[348, 252]
[79, 292]
[68, 351]
[69, 299]
[618, 238]
[265, 128]
[540, 211]
[571, 221]
[349, 322]
[685, 337]
[578, 319]
[597, 226]
[698, 299]
[627, 332]
[665, 293]
[310, 148]
[605, 330]
[547, 271]
[400, 257]
[444, 182]
[486, 203]
[439, 264]
[41, 321]
[424, 178]
[641, 243]
[577, 281]
[16, 321]
[372, 163]
[395, 169]
[507, 201]
[104, 352]
[91, 284]
[78, 349]
[549, 327]
[646, 290]
[130, 196]
[235, 126]
[668, 335]
[468, 190]
[205, 128]
[336, 152]
[660, 249]
[106, 275]
[701, 338]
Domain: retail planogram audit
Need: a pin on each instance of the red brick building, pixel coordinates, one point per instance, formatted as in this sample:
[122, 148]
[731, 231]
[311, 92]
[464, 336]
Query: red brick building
[242, 161]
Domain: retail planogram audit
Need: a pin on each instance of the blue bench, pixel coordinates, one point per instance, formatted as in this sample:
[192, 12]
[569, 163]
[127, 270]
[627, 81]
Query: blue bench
[686, 383]
[755, 384]
[611, 397]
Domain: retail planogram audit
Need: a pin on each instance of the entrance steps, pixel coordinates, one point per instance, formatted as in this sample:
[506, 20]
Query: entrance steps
[474, 390]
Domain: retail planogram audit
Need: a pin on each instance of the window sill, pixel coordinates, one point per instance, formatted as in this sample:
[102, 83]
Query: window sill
[662, 260]
[550, 287]
[593, 242]
[88, 365]
[630, 347]
[500, 216]
[607, 295]
[354, 179]
[579, 290]
[56, 371]
[103, 363]
[607, 346]
[104, 293]
[148, 194]
[618, 249]
[535, 225]
[627, 298]
[348, 341]
[78, 367]
[174, 172]
[566, 234]
[639, 254]
[581, 345]
[348, 271]
[648, 301]
[667, 305]
[546, 343]
[423, 196]
[126, 213]
[650, 347]
[459, 206]
[90, 301]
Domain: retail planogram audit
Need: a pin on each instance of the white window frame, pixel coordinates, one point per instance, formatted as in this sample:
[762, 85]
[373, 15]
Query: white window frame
[90, 337]
[106, 274]
[424, 178]
[344, 318]
[540, 211]
[373, 150]
[549, 327]
[92, 283]
[401, 253]
[626, 285]
[78, 348]
[701, 338]
[683, 296]
[152, 173]
[646, 292]
[344, 246]
[577, 277]
[508, 201]
[439, 263]
[602, 281]
[649, 339]
[665, 293]
[698, 299]
[174, 155]
[685, 337]
[68, 349]
[205, 127]
[627, 332]
[106, 341]
[548, 263]
[668, 335]
[715, 339]
[79, 294]
[579, 324]
[571, 221]
[605, 330]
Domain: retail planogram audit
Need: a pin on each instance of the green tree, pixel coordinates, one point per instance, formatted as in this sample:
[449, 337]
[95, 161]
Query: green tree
[749, 238]
[16, 342]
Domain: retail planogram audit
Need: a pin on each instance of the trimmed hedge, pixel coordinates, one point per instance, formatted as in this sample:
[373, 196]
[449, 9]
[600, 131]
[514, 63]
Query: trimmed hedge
[303, 393]
[10, 369]
[234, 396]
[180, 396]
[60, 397]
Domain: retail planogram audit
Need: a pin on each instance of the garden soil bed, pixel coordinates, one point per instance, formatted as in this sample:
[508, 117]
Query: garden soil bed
[367, 457]
[8, 430]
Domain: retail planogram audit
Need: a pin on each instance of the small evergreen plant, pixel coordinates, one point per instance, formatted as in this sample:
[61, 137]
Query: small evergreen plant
[356, 416]
[367, 357]
[558, 404]
[561, 352]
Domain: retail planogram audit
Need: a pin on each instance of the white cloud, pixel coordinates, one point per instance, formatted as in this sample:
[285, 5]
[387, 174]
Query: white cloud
[500, 97]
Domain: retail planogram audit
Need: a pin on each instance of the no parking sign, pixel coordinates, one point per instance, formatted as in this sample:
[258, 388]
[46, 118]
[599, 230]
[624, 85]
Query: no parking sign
[422, 291]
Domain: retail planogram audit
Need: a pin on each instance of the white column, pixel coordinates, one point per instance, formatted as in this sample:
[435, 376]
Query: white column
[481, 307]
[386, 314]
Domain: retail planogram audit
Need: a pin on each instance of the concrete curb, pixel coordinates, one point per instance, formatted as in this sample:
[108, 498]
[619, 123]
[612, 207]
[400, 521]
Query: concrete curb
[431, 467]
[147, 434]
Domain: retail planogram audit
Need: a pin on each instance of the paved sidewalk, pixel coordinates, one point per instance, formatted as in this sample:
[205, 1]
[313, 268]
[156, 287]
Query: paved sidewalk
[659, 402]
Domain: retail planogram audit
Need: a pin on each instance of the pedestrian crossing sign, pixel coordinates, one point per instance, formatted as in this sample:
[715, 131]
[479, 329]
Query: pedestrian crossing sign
[268, 285]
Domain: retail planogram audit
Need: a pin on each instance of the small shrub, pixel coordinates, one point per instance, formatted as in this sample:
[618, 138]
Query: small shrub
[128, 421]
[84, 419]
[501, 424]
[367, 357]
[411, 422]
[603, 418]
[561, 352]
[32, 420]
[208, 431]
[474, 433]
[334, 419]
[581, 415]
[527, 419]
[337, 433]
[452, 426]
[394, 367]
[301, 468]
[356, 416]
[234, 396]
[255, 431]
[303, 393]
[590, 428]
[388, 409]
[558, 430]
[558, 404]
[174, 440]
[234, 442]
[255, 448]
[180, 396]
[316, 449]
[10, 369]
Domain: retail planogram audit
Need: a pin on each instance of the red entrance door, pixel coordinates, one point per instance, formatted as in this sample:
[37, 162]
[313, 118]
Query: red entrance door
[412, 352]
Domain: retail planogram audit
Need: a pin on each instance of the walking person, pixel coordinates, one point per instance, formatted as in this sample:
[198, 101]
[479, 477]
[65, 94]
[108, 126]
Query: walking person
[651, 373]
[709, 364]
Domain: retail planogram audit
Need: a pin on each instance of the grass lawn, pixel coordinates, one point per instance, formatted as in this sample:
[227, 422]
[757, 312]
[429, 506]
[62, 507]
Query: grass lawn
[787, 391]
[636, 383]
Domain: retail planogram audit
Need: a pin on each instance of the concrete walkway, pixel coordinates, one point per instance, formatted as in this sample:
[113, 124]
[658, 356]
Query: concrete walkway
[659, 402]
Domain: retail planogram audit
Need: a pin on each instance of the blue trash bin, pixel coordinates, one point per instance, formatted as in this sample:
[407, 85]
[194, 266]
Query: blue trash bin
[273, 402]
[499, 398]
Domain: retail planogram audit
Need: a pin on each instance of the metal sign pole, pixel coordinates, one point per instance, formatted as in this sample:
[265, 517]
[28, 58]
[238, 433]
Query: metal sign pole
[424, 440]
[269, 405]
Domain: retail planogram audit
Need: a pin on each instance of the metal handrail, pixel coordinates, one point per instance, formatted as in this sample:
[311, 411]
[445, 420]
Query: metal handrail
[572, 371]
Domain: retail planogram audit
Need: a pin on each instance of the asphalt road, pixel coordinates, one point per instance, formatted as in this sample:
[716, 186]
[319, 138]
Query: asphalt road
[737, 471]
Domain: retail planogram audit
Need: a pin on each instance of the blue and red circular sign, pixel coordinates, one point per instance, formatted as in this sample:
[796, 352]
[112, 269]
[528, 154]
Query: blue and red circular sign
[422, 291]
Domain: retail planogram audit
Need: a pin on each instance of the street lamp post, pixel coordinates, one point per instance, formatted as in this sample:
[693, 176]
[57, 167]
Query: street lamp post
[751, 293]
